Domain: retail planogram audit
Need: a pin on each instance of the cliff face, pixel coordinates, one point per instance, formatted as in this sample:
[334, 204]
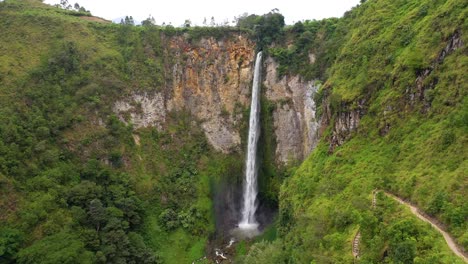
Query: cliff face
[208, 78]
[296, 127]
[211, 79]
[347, 119]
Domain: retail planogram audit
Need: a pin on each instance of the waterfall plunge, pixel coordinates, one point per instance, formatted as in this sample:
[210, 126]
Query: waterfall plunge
[248, 221]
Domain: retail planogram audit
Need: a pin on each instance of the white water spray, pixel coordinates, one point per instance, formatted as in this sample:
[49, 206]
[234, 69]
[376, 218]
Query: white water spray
[250, 184]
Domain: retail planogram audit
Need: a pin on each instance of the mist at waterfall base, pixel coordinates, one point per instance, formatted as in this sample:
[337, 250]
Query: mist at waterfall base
[239, 212]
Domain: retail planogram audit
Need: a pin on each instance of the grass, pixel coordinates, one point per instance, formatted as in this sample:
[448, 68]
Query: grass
[421, 157]
[269, 234]
[62, 78]
[174, 169]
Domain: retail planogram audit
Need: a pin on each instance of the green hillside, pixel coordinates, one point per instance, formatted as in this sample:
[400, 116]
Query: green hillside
[78, 185]
[396, 65]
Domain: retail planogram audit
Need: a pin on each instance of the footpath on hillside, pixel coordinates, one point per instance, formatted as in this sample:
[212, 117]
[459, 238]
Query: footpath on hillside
[450, 241]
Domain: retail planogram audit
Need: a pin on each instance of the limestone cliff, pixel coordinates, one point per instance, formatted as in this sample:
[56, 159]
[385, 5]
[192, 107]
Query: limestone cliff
[295, 123]
[211, 78]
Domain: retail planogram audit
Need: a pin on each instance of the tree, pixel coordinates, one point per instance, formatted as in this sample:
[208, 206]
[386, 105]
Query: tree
[96, 213]
[268, 28]
[150, 21]
[404, 251]
[79, 8]
[187, 23]
[65, 4]
[84, 192]
[58, 248]
[169, 220]
[127, 21]
[264, 252]
[138, 250]
[247, 21]
[298, 28]
[10, 241]
[212, 23]
[131, 206]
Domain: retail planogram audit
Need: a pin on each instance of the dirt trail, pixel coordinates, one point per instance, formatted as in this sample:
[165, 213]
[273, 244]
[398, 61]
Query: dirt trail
[357, 237]
[95, 19]
[356, 242]
[450, 242]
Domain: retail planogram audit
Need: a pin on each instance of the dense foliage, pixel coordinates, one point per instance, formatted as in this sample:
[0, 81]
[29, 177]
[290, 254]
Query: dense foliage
[320, 38]
[77, 185]
[267, 29]
[388, 62]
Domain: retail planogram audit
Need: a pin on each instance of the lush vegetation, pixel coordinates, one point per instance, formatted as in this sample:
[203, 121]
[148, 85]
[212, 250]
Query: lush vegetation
[79, 185]
[266, 29]
[409, 142]
[320, 38]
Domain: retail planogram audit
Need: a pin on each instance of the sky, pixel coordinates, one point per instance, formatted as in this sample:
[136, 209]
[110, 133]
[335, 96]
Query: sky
[177, 11]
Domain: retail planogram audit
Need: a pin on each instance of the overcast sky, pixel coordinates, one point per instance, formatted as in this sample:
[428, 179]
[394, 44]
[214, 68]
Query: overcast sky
[176, 11]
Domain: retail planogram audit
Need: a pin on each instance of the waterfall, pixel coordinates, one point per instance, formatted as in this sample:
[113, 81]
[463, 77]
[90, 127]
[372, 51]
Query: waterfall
[250, 183]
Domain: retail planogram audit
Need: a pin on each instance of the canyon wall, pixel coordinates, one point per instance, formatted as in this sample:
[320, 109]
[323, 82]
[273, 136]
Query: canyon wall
[211, 79]
[294, 119]
[208, 78]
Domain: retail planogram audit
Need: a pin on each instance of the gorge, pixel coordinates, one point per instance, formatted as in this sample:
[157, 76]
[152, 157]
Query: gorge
[124, 143]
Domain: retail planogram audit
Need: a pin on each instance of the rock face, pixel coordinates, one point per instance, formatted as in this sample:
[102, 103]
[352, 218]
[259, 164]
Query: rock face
[212, 79]
[143, 109]
[296, 127]
[208, 78]
[346, 122]
[418, 93]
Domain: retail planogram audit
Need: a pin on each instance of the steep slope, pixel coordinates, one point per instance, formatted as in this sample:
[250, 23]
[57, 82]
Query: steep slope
[394, 113]
[102, 157]
[126, 140]
[116, 140]
[448, 239]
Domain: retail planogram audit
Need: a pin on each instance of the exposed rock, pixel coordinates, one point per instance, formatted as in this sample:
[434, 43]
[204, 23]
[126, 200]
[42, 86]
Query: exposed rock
[136, 138]
[142, 110]
[455, 42]
[420, 93]
[386, 124]
[312, 124]
[345, 123]
[221, 136]
[207, 78]
[347, 120]
[210, 78]
[296, 127]
[288, 136]
[312, 58]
